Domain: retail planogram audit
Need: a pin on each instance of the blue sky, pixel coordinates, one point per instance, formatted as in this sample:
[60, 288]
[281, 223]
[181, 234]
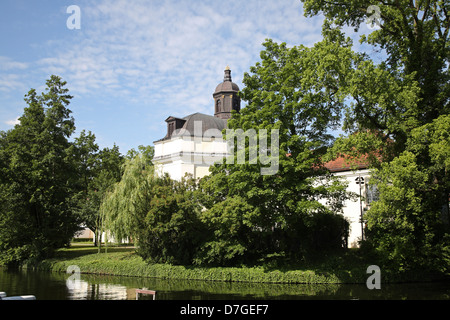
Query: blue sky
[134, 63]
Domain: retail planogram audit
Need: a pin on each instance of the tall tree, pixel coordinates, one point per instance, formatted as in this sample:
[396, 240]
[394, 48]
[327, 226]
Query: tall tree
[411, 86]
[38, 177]
[399, 109]
[98, 171]
[126, 204]
[173, 232]
[279, 213]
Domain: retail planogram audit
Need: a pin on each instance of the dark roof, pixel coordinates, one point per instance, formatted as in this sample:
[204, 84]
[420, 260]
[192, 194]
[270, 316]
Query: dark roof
[189, 126]
[227, 86]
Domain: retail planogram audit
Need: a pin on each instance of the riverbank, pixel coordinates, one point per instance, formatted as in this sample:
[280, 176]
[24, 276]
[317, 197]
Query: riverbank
[123, 261]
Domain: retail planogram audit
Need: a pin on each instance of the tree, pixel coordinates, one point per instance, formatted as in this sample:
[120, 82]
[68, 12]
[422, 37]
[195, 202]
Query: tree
[275, 214]
[414, 35]
[125, 206]
[173, 232]
[98, 171]
[398, 109]
[411, 86]
[38, 177]
[408, 225]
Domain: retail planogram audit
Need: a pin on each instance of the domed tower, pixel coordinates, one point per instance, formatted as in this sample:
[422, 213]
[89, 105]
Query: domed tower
[226, 97]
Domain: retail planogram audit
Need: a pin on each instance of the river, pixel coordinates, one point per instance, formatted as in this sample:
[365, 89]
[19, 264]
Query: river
[58, 286]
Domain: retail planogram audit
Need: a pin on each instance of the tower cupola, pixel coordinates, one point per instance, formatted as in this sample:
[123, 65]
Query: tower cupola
[226, 97]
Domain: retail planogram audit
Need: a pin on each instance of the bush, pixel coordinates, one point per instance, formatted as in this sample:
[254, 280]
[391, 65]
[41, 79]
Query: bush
[172, 231]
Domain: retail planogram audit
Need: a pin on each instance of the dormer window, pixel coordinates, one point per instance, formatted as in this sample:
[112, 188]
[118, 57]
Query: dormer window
[173, 124]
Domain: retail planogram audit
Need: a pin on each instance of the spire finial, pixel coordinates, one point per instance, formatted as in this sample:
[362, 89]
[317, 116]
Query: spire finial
[227, 76]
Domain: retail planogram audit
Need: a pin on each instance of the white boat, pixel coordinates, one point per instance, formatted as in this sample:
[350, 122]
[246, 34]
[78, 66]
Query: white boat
[3, 296]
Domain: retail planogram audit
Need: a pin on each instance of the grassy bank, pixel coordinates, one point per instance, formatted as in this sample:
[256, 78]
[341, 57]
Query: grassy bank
[122, 261]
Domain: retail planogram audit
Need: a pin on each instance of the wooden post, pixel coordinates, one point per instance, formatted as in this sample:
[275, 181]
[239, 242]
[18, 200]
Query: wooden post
[143, 291]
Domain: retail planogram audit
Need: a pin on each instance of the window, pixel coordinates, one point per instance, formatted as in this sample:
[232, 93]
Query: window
[218, 106]
[171, 127]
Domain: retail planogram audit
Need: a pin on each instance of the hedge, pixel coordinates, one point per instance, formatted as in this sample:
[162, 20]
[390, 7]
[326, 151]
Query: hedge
[130, 264]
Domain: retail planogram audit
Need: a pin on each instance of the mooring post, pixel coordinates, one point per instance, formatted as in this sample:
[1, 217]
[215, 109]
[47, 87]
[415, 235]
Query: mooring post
[144, 291]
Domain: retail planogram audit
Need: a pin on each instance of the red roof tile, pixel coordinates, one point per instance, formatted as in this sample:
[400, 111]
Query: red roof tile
[346, 164]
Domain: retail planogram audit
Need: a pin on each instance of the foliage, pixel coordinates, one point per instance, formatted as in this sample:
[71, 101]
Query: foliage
[124, 207]
[402, 225]
[161, 214]
[124, 262]
[397, 115]
[37, 177]
[253, 215]
[98, 171]
[50, 187]
[172, 232]
[414, 35]
[406, 224]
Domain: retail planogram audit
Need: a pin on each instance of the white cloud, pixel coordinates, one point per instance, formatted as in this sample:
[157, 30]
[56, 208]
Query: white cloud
[11, 74]
[134, 63]
[10, 82]
[13, 122]
[173, 50]
[7, 64]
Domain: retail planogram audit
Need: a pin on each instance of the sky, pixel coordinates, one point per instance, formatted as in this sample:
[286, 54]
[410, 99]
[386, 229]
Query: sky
[133, 63]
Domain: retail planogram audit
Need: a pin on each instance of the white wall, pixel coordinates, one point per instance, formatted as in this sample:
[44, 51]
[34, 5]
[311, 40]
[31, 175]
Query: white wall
[176, 164]
[352, 208]
[182, 155]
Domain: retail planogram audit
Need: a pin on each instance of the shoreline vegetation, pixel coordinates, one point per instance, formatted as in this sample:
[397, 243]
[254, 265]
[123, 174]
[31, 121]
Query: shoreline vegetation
[347, 268]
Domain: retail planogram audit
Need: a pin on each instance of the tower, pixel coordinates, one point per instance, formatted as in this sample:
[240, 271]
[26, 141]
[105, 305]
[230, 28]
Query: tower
[226, 97]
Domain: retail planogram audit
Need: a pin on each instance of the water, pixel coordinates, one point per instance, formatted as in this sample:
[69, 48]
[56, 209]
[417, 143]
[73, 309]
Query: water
[55, 286]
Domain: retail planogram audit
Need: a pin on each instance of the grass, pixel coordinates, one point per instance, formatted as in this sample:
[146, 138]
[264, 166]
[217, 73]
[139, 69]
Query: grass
[123, 261]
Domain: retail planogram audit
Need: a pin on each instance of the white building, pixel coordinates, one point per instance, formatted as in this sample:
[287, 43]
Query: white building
[193, 143]
[357, 176]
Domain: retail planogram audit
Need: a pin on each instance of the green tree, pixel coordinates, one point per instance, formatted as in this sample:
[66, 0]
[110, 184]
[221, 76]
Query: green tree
[398, 109]
[275, 214]
[98, 171]
[173, 232]
[406, 225]
[38, 177]
[160, 214]
[125, 206]
[414, 35]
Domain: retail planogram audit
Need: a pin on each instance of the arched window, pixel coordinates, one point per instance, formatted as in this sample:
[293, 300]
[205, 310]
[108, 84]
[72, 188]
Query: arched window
[218, 105]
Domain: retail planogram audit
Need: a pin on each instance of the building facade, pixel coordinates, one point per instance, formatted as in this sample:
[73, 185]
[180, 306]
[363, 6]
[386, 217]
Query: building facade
[357, 177]
[193, 143]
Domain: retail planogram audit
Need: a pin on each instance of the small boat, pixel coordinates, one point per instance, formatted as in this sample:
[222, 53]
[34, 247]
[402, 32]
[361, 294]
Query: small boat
[4, 297]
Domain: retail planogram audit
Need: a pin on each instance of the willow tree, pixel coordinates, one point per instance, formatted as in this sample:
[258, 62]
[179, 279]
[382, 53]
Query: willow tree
[125, 207]
[160, 214]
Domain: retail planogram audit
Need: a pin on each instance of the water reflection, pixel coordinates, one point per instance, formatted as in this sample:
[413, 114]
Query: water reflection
[57, 286]
[100, 291]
